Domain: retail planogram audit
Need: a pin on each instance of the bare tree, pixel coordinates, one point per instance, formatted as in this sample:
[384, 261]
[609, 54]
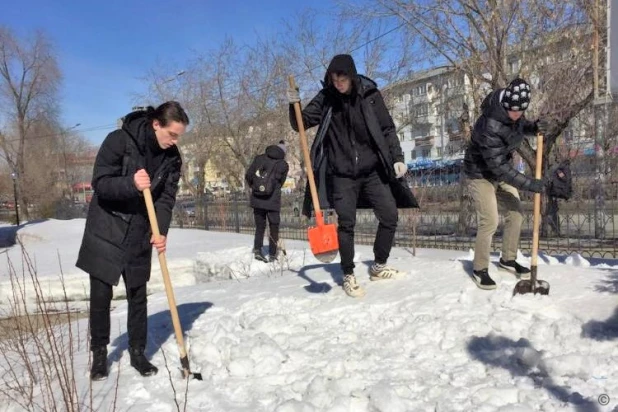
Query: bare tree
[29, 79]
[493, 41]
[235, 94]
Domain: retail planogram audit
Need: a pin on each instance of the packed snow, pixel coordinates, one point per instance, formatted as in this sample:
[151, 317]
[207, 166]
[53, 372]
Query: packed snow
[284, 337]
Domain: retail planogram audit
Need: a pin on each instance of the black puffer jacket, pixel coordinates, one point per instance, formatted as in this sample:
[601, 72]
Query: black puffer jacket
[494, 139]
[117, 233]
[280, 172]
[322, 110]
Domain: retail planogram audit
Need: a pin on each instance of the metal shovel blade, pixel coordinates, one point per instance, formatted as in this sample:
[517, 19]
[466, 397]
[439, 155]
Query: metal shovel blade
[186, 372]
[327, 257]
[532, 285]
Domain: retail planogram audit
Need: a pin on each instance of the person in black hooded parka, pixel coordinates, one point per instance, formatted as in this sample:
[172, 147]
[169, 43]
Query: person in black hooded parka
[117, 238]
[357, 161]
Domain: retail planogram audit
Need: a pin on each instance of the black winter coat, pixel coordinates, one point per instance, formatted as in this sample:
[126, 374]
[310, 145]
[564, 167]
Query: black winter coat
[323, 111]
[280, 172]
[494, 139]
[117, 233]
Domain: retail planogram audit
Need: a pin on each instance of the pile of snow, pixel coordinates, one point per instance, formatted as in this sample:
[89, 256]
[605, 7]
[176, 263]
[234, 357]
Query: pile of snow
[284, 337]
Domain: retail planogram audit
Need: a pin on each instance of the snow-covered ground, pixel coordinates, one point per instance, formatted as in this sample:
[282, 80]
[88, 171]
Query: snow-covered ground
[284, 337]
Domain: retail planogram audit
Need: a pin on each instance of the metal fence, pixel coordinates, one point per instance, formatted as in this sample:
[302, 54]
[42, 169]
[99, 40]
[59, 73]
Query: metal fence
[446, 220]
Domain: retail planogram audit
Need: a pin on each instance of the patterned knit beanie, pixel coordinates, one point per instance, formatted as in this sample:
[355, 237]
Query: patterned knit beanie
[516, 96]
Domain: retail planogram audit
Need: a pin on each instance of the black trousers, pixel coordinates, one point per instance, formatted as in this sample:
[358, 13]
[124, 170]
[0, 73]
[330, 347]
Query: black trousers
[376, 191]
[274, 218]
[137, 318]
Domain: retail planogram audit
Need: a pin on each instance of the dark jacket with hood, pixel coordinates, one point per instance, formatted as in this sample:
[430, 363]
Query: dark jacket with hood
[494, 139]
[273, 157]
[356, 136]
[117, 233]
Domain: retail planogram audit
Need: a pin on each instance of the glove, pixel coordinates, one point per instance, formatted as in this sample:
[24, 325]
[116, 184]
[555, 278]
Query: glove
[293, 95]
[543, 126]
[538, 185]
[400, 169]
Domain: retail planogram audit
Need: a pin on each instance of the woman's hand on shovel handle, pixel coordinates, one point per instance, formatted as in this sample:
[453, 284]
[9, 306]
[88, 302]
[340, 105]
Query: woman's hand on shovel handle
[159, 243]
[141, 180]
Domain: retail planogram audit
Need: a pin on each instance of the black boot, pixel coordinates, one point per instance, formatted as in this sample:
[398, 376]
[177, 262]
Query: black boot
[99, 364]
[257, 254]
[139, 362]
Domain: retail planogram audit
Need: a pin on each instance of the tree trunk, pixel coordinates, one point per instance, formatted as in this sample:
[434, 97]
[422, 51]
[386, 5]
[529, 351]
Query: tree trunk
[550, 222]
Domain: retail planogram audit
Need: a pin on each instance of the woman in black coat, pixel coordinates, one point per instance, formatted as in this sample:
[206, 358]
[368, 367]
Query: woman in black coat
[117, 238]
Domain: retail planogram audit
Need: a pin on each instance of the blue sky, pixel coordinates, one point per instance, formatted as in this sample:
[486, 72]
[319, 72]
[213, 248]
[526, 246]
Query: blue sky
[105, 47]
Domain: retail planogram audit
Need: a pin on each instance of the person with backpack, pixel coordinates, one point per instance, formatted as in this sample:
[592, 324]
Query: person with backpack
[357, 161]
[493, 180]
[117, 240]
[265, 177]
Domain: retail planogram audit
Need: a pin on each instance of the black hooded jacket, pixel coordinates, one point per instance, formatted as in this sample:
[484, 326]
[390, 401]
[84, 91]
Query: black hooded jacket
[494, 139]
[280, 172]
[117, 233]
[356, 135]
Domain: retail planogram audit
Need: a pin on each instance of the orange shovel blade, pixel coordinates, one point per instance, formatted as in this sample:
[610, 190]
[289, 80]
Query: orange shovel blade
[323, 239]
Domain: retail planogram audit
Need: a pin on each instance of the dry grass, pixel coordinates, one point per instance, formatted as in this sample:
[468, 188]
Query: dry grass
[11, 327]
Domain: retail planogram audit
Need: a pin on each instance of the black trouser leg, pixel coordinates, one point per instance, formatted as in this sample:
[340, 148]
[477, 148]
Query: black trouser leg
[345, 195]
[260, 227]
[274, 218]
[100, 300]
[137, 317]
[378, 193]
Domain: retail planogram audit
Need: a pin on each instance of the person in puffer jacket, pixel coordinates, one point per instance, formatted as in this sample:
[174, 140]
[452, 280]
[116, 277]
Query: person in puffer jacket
[492, 178]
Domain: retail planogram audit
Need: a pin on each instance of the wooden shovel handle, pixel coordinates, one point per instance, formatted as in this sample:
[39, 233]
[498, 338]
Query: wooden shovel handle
[537, 201]
[307, 157]
[154, 226]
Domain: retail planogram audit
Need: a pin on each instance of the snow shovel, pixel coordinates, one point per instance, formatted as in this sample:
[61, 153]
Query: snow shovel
[322, 237]
[533, 285]
[154, 225]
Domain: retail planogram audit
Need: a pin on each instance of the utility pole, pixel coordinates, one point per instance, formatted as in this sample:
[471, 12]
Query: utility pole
[67, 178]
[443, 116]
[14, 177]
[599, 106]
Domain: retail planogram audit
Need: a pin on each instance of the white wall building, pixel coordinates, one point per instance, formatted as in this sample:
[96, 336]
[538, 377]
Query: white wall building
[426, 109]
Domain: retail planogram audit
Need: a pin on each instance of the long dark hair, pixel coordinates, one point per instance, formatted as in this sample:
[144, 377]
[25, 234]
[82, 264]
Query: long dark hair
[168, 112]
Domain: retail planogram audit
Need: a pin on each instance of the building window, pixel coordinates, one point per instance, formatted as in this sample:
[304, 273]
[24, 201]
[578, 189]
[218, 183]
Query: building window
[421, 110]
[420, 90]
[413, 154]
[439, 151]
[425, 153]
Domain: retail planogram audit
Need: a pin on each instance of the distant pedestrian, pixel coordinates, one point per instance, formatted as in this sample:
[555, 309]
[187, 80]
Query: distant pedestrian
[265, 177]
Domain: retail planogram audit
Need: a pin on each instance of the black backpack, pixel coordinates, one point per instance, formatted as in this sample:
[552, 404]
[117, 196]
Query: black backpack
[264, 183]
[560, 183]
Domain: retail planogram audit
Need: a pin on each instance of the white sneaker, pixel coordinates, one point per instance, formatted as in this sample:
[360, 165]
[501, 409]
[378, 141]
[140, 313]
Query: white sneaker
[381, 271]
[351, 287]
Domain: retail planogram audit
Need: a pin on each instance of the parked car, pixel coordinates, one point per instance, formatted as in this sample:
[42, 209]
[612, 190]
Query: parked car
[188, 208]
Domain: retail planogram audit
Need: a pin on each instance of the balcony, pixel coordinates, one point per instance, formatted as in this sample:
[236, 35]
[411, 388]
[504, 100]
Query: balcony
[424, 140]
[457, 136]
